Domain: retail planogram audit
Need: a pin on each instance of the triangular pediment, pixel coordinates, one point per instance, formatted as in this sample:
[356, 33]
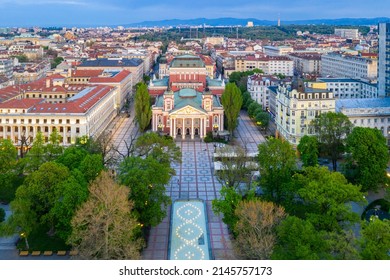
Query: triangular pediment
[187, 111]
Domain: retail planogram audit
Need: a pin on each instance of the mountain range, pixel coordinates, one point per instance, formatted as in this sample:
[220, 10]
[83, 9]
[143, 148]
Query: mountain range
[244, 21]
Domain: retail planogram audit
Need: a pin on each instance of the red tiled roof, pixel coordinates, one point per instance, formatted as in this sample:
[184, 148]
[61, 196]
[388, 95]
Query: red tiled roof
[116, 79]
[20, 103]
[80, 105]
[86, 73]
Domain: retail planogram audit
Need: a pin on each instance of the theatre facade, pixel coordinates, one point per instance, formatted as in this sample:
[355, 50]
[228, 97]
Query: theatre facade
[187, 102]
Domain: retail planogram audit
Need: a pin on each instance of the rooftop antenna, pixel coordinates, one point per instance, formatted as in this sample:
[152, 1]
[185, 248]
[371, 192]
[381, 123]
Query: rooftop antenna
[237, 32]
[204, 30]
[190, 33]
[197, 33]
[278, 19]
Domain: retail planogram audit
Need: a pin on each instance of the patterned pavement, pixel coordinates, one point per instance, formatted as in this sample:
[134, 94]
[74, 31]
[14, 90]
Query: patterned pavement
[195, 179]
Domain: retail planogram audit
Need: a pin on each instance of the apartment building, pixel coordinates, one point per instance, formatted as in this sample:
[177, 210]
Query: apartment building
[268, 64]
[371, 112]
[347, 33]
[277, 50]
[348, 66]
[384, 60]
[297, 106]
[257, 86]
[6, 68]
[306, 63]
[345, 88]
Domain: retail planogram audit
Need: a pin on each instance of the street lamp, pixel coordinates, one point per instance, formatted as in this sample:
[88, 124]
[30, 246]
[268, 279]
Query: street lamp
[215, 126]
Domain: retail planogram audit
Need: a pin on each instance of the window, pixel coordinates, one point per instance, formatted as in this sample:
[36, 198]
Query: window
[77, 129]
[68, 121]
[77, 121]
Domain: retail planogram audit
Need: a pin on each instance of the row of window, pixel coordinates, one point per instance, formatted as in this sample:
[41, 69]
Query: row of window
[31, 129]
[37, 121]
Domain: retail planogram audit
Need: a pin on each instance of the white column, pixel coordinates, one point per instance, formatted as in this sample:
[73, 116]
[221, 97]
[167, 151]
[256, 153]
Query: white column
[154, 122]
[64, 135]
[174, 127]
[222, 122]
[201, 128]
[183, 132]
[192, 128]
[170, 127]
[205, 126]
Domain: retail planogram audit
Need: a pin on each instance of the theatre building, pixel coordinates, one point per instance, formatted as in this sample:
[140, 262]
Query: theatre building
[187, 101]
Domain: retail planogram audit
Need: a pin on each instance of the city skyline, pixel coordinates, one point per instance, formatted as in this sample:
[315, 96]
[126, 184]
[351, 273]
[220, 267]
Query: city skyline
[116, 12]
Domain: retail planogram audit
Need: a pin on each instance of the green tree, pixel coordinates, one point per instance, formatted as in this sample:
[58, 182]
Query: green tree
[308, 148]
[246, 96]
[236, 169]
[104, 228]
[8, 170]
[298, 240]
[326, 196]
[277, 162]
[143, 111]
[232, 102]
[161, 148]
[375, 242]
[368, 157]
[332, 129]
[146, 178]
[91, 166]
[252, 109]
[255, 228]
[53, 148]
[226, 205]
[262, 119]
[36, 155]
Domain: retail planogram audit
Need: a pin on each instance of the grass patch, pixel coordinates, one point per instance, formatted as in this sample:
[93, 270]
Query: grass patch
[39, 240]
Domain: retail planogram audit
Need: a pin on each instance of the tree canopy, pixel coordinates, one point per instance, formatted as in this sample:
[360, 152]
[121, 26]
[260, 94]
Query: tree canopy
[308, 148]
[331, 130]
[104, 227]
[143, 111]
[232, 102]
[368, 157]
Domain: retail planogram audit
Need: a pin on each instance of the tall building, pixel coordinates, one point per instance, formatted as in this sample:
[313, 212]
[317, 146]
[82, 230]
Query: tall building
[347, 33]
[384, 60]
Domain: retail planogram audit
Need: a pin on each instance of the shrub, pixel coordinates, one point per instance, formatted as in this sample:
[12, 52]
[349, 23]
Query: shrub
[2, 215]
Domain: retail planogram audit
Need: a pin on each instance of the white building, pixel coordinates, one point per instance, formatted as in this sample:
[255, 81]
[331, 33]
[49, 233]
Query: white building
[6, 68]
[87, 113]
[268, 64]
[348, 66]
[257, 86]
[306, 63]
[344, 88]
[296, 107]
[347, 33]
[372, 113]
[277, 50]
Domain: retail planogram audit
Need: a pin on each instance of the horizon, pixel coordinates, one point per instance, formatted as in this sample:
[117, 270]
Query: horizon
[44, 13]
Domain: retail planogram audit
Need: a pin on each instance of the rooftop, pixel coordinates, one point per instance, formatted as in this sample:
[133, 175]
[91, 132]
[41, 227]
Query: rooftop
[187, 61]
[362, 103]
[105, 62]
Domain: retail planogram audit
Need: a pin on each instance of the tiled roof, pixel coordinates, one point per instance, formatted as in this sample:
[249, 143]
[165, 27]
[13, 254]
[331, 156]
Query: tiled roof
[86, 73]
[88, 98]
[20, 103]
[119, 77]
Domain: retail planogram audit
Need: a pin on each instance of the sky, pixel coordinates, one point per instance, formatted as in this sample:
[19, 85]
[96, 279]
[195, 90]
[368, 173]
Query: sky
[118, 12]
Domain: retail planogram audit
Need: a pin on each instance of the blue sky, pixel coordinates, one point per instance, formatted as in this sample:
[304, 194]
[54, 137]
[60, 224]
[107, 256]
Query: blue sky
[116, 12]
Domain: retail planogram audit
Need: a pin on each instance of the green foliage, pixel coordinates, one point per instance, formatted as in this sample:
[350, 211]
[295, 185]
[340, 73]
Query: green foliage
[232, 102]
[47, 198]
[53, 149]
[209, 137]
[56, 62]
[226, 205]
[375, 240]
[262, 119]
[332, 130]
[277, 162]
[368, 157]
[2, 215]
[146, 178]
[308, 148]
[246, 96]
[298, 240]
[161, 148]
[22, 58]
[72, 157]
[8, 170]
[252, 109]
[326, 196]
[91, 166]
[36, 156]
[143, 111]
[8, 154]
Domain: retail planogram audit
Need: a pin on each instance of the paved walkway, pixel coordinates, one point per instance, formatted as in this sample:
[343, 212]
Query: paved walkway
[247, 133]
[194, 179]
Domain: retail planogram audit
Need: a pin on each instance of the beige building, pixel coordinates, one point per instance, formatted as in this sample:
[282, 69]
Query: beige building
[306, 63]
[277, 50]
[296, 107]
[268, 64]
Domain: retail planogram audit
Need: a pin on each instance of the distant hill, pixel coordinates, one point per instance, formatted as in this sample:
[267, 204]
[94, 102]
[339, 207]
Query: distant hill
[243, 22]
